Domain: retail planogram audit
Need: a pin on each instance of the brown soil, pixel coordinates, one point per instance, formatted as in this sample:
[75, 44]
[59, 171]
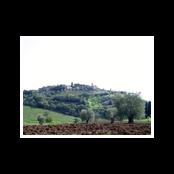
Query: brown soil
[90, 129]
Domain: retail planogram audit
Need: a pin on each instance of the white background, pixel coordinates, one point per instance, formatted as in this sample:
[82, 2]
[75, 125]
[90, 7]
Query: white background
[121, 63]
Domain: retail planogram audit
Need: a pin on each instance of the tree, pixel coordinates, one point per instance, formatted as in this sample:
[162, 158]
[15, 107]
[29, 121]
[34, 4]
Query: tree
[87, 115]
[91, 116]
[130, 105]
[148, 109]
[40, 101]
[112, 113]
[83, 114]
[119, 102]
[41, 119]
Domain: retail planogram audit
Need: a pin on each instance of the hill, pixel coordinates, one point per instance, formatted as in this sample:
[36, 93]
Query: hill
[71, 99]
[30, 116]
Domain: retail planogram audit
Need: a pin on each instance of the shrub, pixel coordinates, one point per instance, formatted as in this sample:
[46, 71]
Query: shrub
[76, 120]
[48, 119]
[41, 119]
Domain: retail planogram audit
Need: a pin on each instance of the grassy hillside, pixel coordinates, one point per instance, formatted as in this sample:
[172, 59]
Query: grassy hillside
[30, 116]
[145, 120]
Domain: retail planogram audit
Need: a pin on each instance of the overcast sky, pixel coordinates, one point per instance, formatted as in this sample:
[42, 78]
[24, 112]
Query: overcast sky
[123, 63]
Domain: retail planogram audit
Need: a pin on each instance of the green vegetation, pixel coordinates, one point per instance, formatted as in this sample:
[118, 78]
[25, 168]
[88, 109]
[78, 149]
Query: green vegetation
[145, 120]
[148, 109]
[94, 103]
[89, 103]
[31, 114]
[87, 115]
[49, 119]
[112, 113]
[129, 106]
[41, 119]
[76, 120]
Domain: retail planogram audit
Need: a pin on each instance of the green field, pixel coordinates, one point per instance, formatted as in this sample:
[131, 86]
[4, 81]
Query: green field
[30, 116]
[145, 120]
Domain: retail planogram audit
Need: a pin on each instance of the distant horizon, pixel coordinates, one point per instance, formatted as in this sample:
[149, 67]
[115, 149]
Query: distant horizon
[119, 63]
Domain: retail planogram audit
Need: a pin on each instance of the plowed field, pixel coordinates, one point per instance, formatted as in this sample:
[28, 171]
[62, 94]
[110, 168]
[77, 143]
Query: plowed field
[90, 129]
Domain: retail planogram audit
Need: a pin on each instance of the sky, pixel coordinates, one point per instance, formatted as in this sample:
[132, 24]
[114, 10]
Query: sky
[121, 63]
